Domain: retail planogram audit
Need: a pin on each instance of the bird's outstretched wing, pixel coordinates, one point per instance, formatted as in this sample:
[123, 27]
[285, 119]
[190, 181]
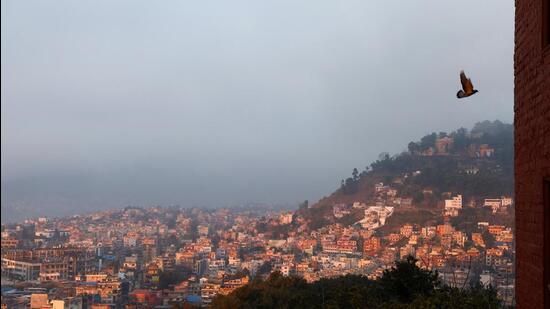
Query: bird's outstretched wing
[466, 83]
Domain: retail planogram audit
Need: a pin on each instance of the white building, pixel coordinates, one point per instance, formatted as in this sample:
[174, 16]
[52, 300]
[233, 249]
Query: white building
[285, 269]
[507, 201]
[453, 205]
[22, 270]
[375, 216]
[340, 210]
[497, 204]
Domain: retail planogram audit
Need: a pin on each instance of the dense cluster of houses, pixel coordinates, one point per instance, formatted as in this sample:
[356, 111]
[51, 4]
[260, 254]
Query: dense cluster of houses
[164, 256]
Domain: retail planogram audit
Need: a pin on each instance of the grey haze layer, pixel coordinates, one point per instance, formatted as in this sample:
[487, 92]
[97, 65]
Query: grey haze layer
[216, 103]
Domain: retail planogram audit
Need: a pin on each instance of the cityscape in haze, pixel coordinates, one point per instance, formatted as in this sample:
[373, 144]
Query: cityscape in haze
[256, 154]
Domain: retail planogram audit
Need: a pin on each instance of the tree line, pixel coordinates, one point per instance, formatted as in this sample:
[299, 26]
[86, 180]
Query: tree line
[405, 285]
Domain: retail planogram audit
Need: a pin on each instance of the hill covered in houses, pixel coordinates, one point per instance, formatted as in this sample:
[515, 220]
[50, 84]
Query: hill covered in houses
[447, 201]
[475, 164]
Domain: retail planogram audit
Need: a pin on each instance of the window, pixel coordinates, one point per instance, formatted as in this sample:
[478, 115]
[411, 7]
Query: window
[546, 242]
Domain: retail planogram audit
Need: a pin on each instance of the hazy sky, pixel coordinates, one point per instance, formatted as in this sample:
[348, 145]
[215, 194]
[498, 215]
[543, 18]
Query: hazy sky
[111, 103]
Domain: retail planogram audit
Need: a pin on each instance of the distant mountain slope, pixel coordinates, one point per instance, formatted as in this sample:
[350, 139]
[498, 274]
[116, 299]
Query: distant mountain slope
[477, 164]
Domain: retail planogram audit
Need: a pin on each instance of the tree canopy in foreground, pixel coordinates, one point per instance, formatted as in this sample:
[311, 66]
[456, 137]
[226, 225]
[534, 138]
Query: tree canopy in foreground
[405, 285]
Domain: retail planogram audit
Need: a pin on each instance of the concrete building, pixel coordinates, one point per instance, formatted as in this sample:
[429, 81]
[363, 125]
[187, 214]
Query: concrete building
[67, 303]
[20, 269]
[453, 205]
[38, 300]
[443, 145]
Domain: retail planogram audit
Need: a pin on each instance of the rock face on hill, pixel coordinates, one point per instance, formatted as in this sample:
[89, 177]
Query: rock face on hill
[474, 164]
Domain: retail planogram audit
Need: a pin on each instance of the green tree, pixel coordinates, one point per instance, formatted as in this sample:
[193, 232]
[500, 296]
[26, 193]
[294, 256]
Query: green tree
[460, 139]
[167, 278]
[489, 239]
[404, 281]
[350, 186]
[403, 286]
[413, 147]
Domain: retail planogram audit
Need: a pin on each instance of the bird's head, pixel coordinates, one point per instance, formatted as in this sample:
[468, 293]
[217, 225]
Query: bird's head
[475, 91]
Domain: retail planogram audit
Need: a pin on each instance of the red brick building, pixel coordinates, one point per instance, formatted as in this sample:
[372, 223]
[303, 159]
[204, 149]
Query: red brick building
[532, 152]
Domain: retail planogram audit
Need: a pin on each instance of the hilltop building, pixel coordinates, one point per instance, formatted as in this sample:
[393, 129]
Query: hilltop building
[443, 145]
[453, 205]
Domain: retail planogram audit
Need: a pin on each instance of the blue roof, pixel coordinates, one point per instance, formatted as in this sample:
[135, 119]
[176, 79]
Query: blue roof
[6, 289]
[193, 298]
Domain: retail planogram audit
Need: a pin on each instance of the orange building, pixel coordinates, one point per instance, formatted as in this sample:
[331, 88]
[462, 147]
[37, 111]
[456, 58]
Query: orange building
[496, 229]
[371, 246]
[444, 229]
[144, 297]
[477, 238]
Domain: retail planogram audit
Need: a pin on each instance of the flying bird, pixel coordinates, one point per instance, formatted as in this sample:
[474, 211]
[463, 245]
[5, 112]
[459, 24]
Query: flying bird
[467, 87]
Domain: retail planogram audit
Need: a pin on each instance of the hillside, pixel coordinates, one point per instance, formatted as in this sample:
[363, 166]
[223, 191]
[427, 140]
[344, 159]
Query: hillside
[476, 163]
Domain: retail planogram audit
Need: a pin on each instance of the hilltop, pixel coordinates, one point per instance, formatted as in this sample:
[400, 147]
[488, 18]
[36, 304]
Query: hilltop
[476, 164]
